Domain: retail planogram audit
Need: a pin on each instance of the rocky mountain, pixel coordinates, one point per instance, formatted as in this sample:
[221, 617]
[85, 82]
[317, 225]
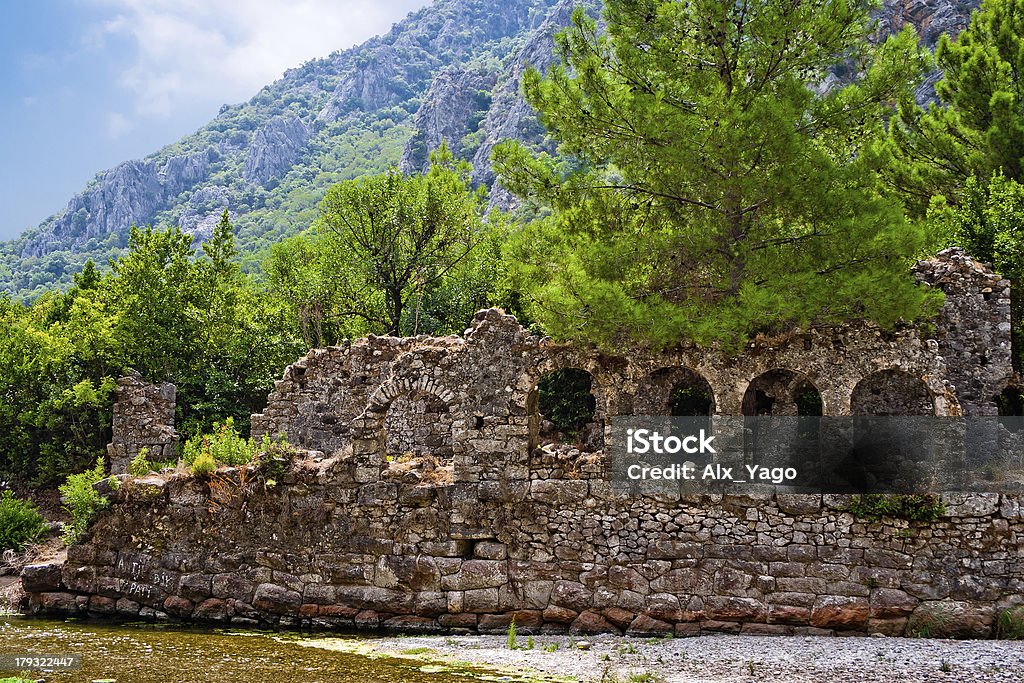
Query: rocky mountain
[448, 72]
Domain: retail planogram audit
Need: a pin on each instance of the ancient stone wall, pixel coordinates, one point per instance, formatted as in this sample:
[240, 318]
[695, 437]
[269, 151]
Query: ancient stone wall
[143, 419]
[973, 330]
[366, 531]
[322, 550]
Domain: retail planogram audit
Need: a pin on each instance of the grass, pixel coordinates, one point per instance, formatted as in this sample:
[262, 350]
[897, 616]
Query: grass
[643, 677]
[924, 625]
[1010, 624]
[918, 508]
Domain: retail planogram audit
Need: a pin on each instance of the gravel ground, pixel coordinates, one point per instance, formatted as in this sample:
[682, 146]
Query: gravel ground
[739, 659]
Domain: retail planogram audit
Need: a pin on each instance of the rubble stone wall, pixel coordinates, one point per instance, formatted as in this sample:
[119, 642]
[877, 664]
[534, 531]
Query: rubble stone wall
[321, 550]
[354, 537]
[143, 419]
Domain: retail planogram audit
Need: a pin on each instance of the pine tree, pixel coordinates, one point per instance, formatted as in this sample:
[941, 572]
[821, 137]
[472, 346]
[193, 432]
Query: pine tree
[977, 127]
[705, 188]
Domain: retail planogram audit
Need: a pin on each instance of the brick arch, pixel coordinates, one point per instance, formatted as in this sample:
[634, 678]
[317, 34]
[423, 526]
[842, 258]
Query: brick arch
[387, 392]
[368, 433]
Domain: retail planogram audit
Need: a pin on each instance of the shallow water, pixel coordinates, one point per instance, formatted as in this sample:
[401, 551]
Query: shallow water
[139, 653]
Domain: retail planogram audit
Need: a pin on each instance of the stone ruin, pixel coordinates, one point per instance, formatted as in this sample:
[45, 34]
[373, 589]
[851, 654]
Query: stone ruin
[422, 496]
[143, 420]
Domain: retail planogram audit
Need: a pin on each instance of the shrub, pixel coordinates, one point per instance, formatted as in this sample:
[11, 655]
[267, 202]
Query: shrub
[140, 465]
[225, 446]
[82, 501]
[20, 522]
[918, 508]
[203, 464]
[1010, 624]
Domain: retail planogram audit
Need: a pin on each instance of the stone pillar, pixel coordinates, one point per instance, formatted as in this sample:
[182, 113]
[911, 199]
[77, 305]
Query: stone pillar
[143, 418]
[973, 329]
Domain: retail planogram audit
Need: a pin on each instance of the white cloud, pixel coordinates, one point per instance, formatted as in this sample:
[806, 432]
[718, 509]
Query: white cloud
[191, 52]
[117, 125]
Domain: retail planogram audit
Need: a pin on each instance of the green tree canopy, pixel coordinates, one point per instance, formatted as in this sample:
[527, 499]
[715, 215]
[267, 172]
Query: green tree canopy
[391, 254]
[977, 127]
[706, 188]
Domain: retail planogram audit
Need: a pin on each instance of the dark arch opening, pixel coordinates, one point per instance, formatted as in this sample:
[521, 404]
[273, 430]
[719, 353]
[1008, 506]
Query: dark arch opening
[567, 409]
[691, 399]
[891, 392]
[889, 455]
[678, 392]
[1010, 402]
[785, 430]
[782, 393]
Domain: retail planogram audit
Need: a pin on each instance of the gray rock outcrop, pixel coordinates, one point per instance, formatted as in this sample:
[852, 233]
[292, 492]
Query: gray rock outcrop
[274, 149]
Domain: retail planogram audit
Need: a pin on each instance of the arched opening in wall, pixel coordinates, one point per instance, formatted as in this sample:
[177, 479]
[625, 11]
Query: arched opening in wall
[567, 410]
[890, 441]
[891, 392]
[785, 406]
[682, 394]
[677, 392]
[418, 434]
[1010, 403]
[782, 393]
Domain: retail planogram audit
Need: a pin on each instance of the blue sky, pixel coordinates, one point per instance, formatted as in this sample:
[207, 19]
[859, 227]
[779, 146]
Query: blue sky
[89, 83]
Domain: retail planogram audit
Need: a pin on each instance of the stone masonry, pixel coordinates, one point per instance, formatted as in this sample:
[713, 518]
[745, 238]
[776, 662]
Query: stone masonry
[143, 419]
[420, 498]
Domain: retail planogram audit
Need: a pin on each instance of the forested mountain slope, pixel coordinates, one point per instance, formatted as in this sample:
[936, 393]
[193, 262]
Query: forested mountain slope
[450, 71]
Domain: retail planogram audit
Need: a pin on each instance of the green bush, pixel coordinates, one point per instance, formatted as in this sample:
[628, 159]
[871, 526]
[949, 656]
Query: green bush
[203, 464]
[140, 465]
[82, 501]
[224, 447]
[1010, 624]
[20, 522]
[917, 508]
[566, 400]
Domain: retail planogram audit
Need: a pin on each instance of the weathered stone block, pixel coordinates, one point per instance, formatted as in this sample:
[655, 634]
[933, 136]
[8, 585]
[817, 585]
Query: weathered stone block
[475, 574]
[212, 609]
[840, 613]
[644, 626]
[951, 619]
[888, 603]
[572, 595]
[38, 578]
[195, 587]
[480, 600]
[178, 606]
[591, 622]
[272, 598]
[232, 586]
